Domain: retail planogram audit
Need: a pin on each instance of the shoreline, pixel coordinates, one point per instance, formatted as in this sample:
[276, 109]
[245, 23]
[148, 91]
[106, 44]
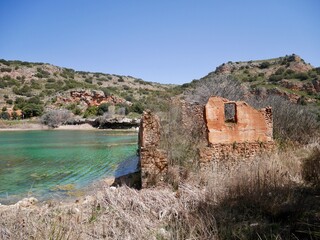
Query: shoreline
[40, 127]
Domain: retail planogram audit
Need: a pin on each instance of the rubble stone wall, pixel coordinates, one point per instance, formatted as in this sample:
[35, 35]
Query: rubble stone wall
[217, 139]
[231, 152]
[153, 160]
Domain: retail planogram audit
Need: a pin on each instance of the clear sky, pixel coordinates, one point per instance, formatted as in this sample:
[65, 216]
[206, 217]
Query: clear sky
[166, 41]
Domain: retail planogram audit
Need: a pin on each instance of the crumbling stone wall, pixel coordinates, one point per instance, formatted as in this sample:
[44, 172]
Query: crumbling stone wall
[192, 116]
[232, 152]
[153, 160]
[249, 125]
[217, 138]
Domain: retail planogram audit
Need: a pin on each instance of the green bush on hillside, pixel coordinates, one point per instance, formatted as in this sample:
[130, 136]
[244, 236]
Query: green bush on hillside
[103, 108]
[4, 116]
[264, 65]
[91, 112]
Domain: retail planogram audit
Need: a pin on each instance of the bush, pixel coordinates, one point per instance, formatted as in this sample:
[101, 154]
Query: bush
[5, 69]
[264, 65]
[55, 118]
[32, 110]
[291, 122]
[90, 111]
[103, 108]
[9, 101]
[275, 78]
[137, 107]
[4, 115]
[302, 76]
[88, 80]
[222, 86]
[280, 71]
[311, 168]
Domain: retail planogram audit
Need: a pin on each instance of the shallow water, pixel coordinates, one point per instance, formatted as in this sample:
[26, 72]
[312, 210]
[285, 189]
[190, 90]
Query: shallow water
[45, 164]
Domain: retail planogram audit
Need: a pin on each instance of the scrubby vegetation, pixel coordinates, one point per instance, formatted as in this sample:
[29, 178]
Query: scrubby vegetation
[273, 196]
[49, 83]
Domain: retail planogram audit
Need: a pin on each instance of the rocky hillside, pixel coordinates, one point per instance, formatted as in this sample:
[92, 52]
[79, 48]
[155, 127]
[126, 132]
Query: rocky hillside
[289, 76]
[29, 89]
[32, 88]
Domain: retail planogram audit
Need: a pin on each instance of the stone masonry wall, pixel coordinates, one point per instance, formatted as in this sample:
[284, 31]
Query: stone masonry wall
[250, 124]
[232, 152]
[153, 160]
[216, 139]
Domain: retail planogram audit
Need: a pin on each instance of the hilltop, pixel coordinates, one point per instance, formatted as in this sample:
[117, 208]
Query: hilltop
[289, 76]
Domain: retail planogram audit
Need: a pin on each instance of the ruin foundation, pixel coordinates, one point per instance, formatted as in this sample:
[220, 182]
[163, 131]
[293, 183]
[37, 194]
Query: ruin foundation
[227, 130]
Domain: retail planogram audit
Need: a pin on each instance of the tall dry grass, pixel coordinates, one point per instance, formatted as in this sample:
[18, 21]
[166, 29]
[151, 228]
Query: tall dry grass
[262, 198]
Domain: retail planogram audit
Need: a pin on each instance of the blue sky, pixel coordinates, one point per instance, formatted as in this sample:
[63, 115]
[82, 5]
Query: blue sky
[167, 41]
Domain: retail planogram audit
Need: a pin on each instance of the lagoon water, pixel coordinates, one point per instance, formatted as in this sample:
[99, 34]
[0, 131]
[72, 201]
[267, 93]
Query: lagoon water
[46, 164]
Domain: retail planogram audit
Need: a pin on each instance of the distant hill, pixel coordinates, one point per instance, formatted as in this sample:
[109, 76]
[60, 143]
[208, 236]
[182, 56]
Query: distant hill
[25, 85]
[289, 76]
[32, 88]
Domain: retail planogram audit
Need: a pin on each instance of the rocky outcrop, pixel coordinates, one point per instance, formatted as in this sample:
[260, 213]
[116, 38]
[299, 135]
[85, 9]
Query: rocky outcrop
[153, 160]
[90, 98]
[116, 123]
[312, 87]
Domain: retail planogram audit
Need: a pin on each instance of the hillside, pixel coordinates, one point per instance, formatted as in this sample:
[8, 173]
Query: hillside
[288, 76]
[32, 88]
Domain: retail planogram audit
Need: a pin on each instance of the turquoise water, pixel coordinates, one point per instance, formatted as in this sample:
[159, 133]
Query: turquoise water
[48, 163]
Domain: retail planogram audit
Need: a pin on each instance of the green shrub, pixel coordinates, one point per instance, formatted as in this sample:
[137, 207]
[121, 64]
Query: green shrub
[23, 91]
[35, 85]
[90, 111]
[9, 101]
[42, 73]
[88, 80]
[302, 76]
[5, 69]
[264, 65]
[275, 78]
[103, 108]
[4, 115]
[32, 110]
[137, 107]
[280, 71]
[77, 111]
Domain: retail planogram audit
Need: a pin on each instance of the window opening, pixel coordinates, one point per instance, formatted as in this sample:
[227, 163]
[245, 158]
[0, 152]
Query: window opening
[230, 115]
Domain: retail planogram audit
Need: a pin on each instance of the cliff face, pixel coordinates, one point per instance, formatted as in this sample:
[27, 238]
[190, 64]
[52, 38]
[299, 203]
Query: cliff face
[90, 98]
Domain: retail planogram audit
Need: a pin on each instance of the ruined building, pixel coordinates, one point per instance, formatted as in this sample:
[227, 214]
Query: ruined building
[227, 130]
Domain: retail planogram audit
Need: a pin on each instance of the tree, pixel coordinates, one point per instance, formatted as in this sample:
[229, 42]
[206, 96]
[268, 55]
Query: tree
[55, 118]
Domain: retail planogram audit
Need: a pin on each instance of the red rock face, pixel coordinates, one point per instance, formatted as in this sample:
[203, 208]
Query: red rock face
[249, 125]
[91, 98]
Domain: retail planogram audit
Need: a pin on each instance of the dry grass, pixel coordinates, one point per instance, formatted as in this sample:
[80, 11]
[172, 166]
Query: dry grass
[263, 198]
